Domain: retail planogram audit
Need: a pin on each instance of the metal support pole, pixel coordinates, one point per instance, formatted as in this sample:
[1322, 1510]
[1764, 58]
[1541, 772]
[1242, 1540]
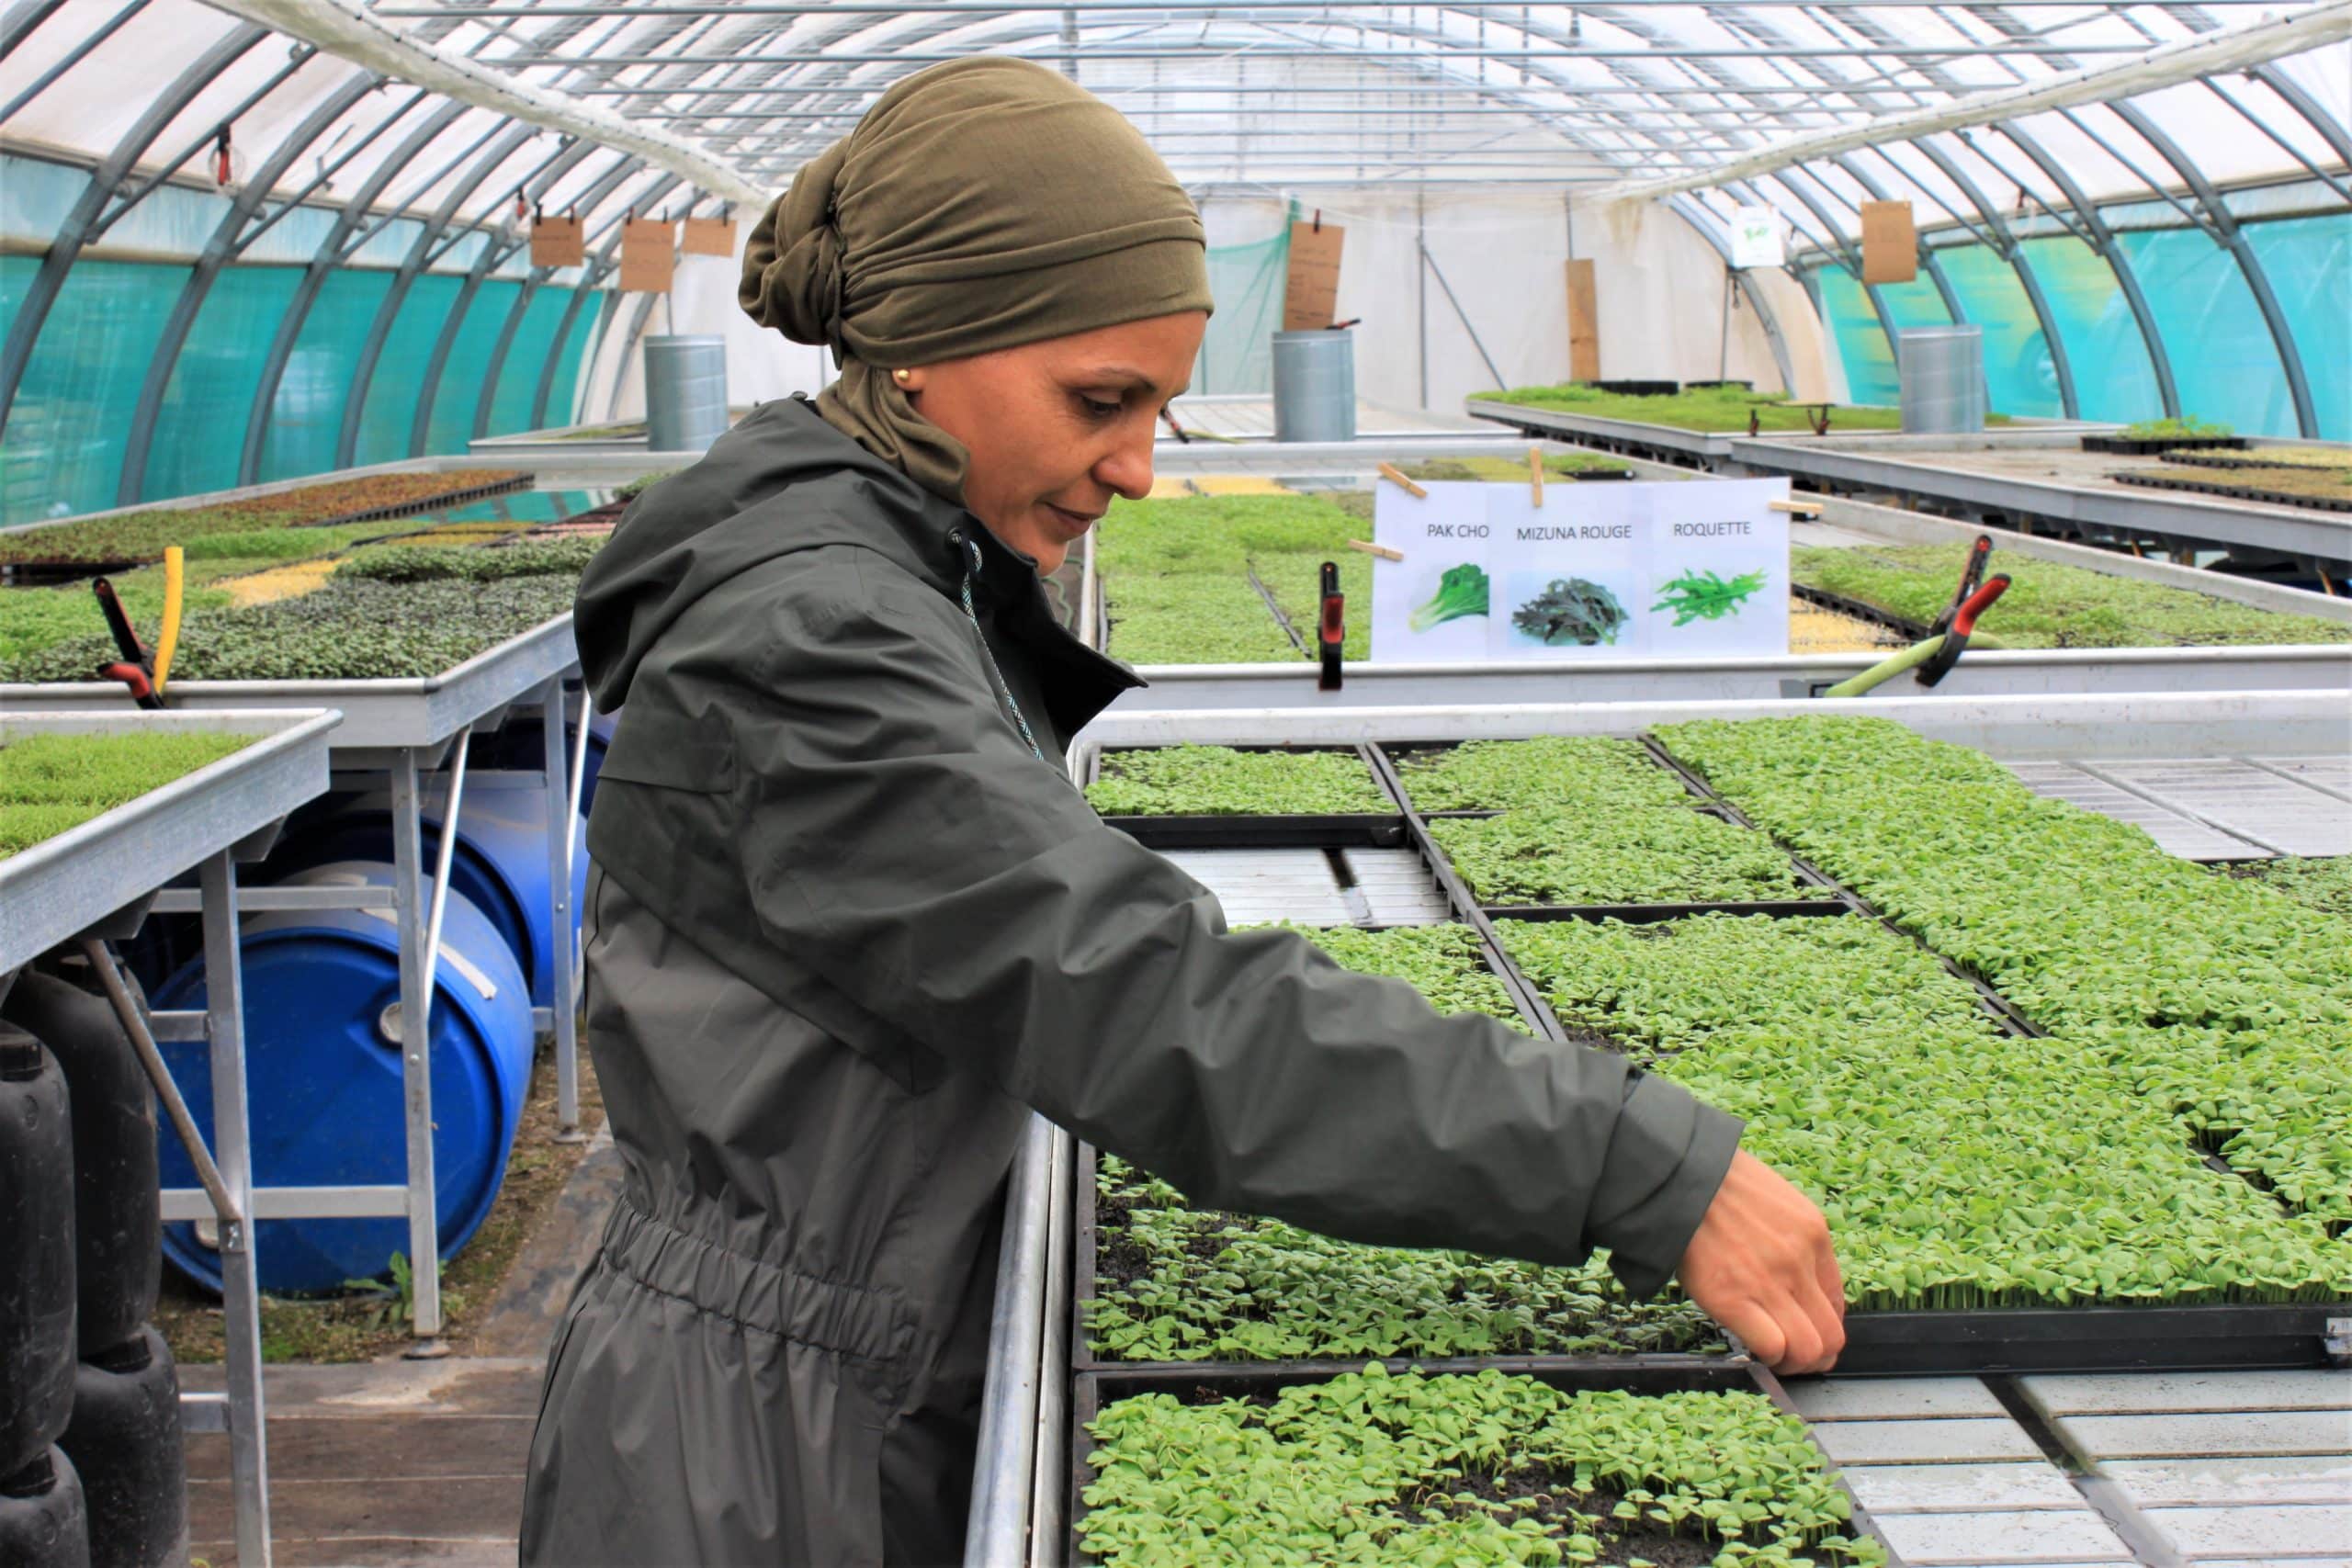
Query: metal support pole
[445, 856]
[417, 1070]
[562, 921]
[225, 1008]
[1722, 338]
[1422, 291]
[1464, 316]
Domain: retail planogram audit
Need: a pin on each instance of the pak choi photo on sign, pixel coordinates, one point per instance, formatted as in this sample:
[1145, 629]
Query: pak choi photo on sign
[1661, 571]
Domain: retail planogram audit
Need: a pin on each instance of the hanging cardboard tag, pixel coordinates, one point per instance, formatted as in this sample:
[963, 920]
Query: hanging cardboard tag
[1584, 324]
[648, 255]
[558, 241]
[709, 237]
[1890, 244]
[1311, 291]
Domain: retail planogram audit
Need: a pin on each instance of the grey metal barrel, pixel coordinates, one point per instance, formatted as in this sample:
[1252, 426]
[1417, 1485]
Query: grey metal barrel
[686, 392]
[1314, 385]
[1942, 373]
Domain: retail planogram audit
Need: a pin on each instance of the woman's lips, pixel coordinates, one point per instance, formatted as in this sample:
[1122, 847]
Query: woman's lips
[1077, 522]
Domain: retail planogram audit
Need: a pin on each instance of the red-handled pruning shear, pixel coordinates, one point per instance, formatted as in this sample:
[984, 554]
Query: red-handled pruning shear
[1331, 633]
[137, 668]
[1972, 577]
[1962, 622]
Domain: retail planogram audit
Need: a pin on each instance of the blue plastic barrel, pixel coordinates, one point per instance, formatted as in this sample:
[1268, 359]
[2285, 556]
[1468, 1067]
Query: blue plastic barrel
[322, 1071]
[500, 865]
[517, 745]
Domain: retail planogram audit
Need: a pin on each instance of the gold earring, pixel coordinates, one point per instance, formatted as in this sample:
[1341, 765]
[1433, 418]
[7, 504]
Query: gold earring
[900, 376]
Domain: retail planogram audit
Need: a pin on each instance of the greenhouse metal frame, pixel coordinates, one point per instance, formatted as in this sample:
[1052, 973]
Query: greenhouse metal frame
[2079, 172]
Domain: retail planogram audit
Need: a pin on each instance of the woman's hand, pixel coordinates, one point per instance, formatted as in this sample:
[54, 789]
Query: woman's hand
[1761, 1265]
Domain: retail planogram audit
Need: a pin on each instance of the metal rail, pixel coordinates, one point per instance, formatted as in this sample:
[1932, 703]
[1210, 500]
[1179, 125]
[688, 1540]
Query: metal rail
[98, 880]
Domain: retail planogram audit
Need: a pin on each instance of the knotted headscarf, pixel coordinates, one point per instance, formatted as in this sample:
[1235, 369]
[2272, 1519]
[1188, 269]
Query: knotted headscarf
[979, 205]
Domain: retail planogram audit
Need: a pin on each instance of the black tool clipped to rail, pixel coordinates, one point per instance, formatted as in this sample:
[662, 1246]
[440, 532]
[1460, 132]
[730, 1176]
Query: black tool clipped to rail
[136, 669]
[1331, 633]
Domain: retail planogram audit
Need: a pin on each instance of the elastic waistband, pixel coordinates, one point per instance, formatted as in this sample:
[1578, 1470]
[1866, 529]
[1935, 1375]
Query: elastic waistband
[852, 1320]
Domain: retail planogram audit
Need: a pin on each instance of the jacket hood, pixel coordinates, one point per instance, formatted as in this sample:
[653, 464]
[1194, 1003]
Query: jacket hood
[781, 481]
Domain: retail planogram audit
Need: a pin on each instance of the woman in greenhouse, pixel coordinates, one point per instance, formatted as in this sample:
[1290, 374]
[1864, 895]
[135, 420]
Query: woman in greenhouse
[850, 922]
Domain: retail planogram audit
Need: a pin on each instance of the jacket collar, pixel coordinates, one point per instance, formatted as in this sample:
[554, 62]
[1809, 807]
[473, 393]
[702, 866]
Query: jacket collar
[928, 536]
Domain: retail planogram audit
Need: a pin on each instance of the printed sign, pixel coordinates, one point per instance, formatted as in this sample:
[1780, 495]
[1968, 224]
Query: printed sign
[1311, 290]
[1697, 568]
[558, 242]
[648, 255]
[709, 237]
[1890, 243]
[1756, 239]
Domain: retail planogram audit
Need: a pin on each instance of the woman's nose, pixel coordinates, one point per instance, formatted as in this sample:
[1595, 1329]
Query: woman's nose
[1126, 470]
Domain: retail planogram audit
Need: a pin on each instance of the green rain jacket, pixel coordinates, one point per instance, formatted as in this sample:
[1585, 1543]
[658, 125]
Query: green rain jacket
[845, 929]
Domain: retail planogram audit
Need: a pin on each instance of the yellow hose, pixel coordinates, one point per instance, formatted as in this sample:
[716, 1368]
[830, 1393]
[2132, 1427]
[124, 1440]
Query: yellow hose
[167, 641]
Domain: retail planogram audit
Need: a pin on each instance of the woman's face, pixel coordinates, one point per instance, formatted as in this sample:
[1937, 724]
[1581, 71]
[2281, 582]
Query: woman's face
[1057, 428]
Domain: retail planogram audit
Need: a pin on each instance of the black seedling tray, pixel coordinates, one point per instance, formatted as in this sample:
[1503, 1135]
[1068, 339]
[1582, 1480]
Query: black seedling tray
[2229, 1336]
[1336, 831]
[1093, 1391]
[1831, 903]
[1589, 476]
[447, 502]
[2080, 1338]
[2252, 457]
[2236, 492]
[1861, 611]
[1085, 1257]
[1649, 914]
[1638, 389]
[2147, 446]
[1242, 830]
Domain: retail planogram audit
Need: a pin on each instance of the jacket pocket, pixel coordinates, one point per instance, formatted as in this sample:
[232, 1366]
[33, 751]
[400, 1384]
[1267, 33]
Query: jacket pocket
[671, 750]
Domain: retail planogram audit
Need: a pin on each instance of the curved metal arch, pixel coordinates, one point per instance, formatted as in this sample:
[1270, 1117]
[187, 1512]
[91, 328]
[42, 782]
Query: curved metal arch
[224, 244]
[494, 250]
[2291, 92]
[504, 144]
[1700, 219]
[89, 217]
[1012, 30]
[1852, 262]
[2102, 239]
[330, 255]
[2233, 239]
[1878, 192]
[2014, 253]
[605, 185]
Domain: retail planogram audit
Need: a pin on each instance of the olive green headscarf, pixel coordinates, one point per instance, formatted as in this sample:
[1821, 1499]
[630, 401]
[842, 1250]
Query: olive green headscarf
[979, 205]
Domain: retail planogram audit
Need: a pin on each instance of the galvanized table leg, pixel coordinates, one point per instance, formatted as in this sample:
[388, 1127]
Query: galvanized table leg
[562, 999]
[233, 1153]
[409, 914]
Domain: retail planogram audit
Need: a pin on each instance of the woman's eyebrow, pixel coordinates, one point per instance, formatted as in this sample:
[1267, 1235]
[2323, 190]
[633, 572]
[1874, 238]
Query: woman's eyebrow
[1105, 375]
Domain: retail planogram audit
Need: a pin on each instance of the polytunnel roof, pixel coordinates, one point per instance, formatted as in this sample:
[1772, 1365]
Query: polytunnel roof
[635, 102]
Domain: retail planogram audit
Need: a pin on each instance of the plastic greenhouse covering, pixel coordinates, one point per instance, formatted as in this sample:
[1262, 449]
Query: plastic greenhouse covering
[270, 238]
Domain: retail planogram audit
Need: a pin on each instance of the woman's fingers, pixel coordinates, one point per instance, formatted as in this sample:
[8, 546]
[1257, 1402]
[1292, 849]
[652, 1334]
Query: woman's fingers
[1762, 1264]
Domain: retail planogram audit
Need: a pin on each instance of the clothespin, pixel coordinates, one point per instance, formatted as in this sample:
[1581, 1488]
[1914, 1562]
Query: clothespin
[1798, 508]
[1318, 221]
[1535, 474]
[1396, 477]
[1383, 551]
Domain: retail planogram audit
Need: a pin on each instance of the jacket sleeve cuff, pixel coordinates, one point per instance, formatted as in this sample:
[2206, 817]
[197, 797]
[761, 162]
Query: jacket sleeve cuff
[1667, 1156]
